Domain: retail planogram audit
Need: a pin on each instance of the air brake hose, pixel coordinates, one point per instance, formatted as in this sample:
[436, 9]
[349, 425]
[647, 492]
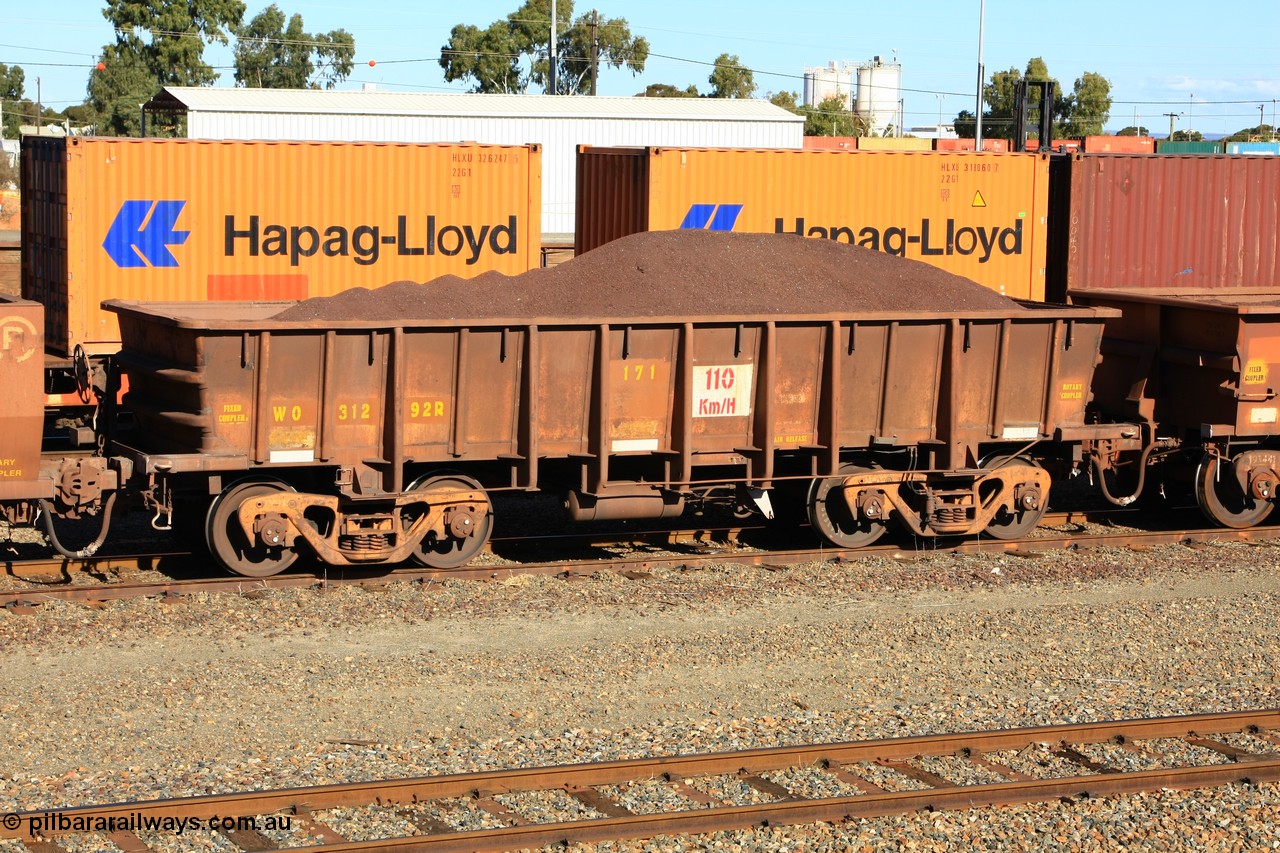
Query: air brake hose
[1142, 477]
[90, 549]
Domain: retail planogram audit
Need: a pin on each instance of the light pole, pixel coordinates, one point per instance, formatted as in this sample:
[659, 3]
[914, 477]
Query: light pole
[977, 136]
[552, 52]
[938, 95]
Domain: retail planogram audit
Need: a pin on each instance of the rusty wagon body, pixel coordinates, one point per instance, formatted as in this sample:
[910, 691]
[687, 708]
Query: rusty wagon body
[370, 441]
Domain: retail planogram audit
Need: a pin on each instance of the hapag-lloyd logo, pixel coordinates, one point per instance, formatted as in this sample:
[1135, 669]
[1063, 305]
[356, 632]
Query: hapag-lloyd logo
[144, 230]
[363, 243]
[932, 238]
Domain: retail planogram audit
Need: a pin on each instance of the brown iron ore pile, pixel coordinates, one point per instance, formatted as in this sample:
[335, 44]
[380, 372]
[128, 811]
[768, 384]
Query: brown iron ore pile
[676, 274]
[216, 693]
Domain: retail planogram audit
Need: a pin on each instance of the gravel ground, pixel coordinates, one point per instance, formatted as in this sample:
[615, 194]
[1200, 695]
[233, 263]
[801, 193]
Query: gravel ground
[139, 699]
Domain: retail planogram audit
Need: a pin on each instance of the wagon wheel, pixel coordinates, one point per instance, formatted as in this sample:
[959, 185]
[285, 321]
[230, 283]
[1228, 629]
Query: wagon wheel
[830, 514]
[467, 526]
[226, 537]
[83, 372]
[1018, 523]
[1221, 500]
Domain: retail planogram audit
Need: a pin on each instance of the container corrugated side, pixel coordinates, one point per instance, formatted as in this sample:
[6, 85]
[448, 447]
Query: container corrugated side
[1204, 146]
[224, 220]
[970, 144]
[979, 215]
[1254, 149]
[1173, 221]
[1118, 145]
[894, 143]
[611, 200]
[832, 143]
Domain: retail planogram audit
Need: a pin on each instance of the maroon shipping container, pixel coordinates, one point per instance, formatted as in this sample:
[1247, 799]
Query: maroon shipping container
[1185, 222]
[1118, 145]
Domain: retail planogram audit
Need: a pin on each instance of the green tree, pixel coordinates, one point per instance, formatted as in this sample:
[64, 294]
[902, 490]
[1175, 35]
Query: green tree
[789, 101]
[590, 43]
[1187, 136]
[158, 43]
[1082, 112]
[730, 79]
[12, 87]
[117, 88]
[513, 54]
[666, 90]
[1131, 130]
[1000, 96]
[1088, 107]
[489, 58]
[270, 55]
[832, 117]
[1259, 133]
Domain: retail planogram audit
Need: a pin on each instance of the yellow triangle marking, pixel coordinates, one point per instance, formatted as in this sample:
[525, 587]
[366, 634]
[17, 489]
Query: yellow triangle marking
[978, 200]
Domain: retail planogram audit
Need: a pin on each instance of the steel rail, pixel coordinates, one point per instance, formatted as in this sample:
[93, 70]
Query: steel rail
[1234, 765]
[704, 536]
[24, 599]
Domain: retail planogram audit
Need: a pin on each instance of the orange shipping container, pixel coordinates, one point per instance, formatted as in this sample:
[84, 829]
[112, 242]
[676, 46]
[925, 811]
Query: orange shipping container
[832, 143]
[979, 215]
[177, 219]
[894, 143]
[970, 144]
[1118, 145]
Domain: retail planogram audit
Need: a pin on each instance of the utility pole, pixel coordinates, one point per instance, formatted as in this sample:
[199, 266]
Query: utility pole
[977, 136]
[551, 77]
[1261, 118]
[595, 49]
[1171, 116]
[39, 108]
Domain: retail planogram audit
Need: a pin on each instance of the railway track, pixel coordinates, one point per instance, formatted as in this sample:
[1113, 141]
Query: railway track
[695, 794]
[697, 547]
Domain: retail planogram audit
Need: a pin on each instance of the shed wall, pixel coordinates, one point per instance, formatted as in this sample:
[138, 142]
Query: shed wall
[559, 138]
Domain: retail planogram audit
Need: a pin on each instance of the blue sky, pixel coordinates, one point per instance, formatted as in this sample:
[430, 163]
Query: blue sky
[1213, 65]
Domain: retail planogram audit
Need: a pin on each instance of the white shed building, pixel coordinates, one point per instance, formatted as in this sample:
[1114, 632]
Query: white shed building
[558, 123]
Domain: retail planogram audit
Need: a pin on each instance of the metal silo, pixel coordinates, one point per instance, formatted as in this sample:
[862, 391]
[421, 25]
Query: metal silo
[834, 79]
[879, 94]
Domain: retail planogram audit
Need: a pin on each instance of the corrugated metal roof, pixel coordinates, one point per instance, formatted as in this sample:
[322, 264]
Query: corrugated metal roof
[208, 99]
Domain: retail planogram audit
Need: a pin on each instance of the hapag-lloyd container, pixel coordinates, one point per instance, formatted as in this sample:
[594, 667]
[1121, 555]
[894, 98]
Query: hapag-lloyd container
[980, 215]
[178, 219]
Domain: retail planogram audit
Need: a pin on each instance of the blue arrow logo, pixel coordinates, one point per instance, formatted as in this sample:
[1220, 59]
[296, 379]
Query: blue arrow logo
[715, 217]
[142, 232]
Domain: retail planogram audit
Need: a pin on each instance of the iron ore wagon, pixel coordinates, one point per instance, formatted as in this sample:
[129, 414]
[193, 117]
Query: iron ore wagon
[359, 432]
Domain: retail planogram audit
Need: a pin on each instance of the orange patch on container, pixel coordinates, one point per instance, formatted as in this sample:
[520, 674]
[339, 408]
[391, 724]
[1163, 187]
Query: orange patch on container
[257, 288]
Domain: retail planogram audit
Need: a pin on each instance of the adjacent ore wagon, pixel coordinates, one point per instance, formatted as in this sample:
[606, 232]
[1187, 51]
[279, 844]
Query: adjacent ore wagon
[1200, 371]
[760, 371]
